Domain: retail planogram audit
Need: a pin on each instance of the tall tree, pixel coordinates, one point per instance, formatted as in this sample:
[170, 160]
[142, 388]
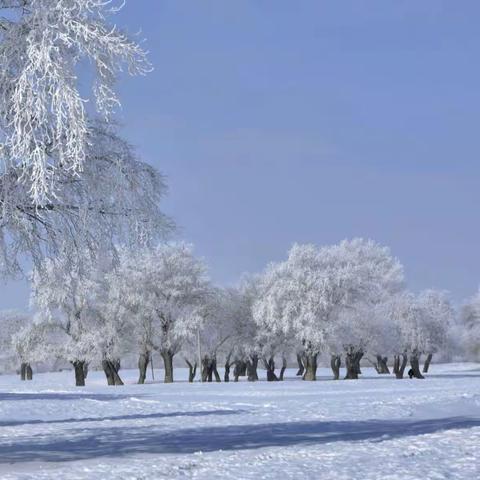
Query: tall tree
[305, 295]
[469, 327]
[166, 287]
[69, 294]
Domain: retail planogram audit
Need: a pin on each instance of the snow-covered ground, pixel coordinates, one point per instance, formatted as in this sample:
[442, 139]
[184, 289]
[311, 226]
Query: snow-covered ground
[376, 427]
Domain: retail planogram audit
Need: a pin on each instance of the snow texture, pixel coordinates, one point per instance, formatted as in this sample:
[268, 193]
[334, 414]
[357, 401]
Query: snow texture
[374, 428]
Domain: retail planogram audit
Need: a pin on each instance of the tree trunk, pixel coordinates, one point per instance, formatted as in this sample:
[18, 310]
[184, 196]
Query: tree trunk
[111, 372]
[79, 368]
[382, 367]
[108, 372]
[282, 370]
[192, 370]
[426, 365]
[351, 367]
[301, 367]
[23, 371]
[240, 369]
[252, 364]
[226, 377]
[167, 356]
[415, 364]
[206, 369]
[28, 372]
[270, 368]
[310, 367]
[215, 371]
[85, 370]
[143, 361]
[209, 369]
[358, 357]
[399, 364]
[236, 371]
[352, 364]
[335, 364]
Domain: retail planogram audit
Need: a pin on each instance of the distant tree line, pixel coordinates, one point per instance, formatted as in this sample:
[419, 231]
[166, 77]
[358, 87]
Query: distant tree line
[347, 300]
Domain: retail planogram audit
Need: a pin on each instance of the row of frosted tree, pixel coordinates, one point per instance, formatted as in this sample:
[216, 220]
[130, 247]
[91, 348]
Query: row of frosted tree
[347, 301]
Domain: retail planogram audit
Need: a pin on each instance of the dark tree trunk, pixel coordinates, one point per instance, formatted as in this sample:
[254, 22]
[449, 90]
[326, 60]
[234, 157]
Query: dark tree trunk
[381, 366]
[351, 367]
[206, 369]
[226, 377]
[301, 367]
[167, 356]
[399, 364]
[111, 372]
[310, 367]
[426, 365]
[192, 370]
[23, 371]
[215, 371]
[115, 369]
[358, 358]
[79, 368]
[352, 364]
[236, 371]
[29, 372]
[415, 364]
[282, 370]
[85, 370]
[108, 372]
[240, 369]
[335, 364]
[270, 368]
[252, 365]
[209, 369]
[143, 361]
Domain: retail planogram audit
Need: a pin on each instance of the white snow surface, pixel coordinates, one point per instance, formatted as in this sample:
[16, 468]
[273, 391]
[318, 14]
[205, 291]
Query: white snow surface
[373, 428]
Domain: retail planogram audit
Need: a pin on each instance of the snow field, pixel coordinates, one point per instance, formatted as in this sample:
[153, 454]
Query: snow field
[376, 427]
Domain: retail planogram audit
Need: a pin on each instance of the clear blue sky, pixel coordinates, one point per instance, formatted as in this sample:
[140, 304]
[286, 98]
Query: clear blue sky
[312, 121]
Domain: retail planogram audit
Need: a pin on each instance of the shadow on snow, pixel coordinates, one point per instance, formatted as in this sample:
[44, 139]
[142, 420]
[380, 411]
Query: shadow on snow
[101, 397]
[121, 441]
[146, 416]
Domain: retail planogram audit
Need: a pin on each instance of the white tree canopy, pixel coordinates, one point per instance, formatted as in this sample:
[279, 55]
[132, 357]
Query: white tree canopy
[162, 290]
[67, 293]
[421, 322]
[305, 295]
[115, 199]
[43, 116]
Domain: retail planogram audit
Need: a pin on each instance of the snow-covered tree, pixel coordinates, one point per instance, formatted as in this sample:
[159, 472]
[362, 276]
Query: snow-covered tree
[215, 337]
[11, 323]
[115, 198]
[421, 324]
[270, 344]
[304, 296]
[30, 345]
[469, 322]
[70, 294]
[163, 290]
[245, 349]
[45, 46]
[438, 319]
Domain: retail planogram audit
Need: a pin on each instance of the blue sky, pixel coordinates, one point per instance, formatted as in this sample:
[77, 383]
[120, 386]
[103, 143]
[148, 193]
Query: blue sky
[278, 121]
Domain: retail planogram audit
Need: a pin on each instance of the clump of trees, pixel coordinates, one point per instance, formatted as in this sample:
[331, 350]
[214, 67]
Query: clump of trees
[347, 301]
